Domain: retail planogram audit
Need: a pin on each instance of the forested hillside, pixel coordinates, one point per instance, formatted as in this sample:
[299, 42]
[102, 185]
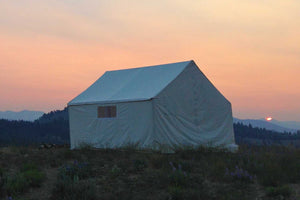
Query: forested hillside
[50, 128]
[246, 134]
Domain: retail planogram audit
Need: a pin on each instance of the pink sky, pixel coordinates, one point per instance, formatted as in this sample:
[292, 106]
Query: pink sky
[50, 51]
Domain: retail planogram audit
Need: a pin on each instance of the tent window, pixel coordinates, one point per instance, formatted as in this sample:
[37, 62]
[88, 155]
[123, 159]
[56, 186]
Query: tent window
[107, 111]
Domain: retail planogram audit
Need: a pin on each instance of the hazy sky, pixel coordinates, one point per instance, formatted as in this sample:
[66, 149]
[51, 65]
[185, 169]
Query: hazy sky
[50, 51]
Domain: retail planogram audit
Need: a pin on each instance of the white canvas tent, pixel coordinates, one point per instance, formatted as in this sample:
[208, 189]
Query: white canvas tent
[165, 105]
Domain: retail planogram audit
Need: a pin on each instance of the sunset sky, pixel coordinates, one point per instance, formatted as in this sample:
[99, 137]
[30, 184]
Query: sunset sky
[52, 50]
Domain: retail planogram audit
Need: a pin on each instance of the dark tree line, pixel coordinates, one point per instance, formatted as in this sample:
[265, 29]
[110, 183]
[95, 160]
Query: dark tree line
[245, 132]
[54, 128]
[50, 128]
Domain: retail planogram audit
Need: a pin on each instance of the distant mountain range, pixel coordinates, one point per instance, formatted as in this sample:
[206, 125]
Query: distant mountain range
[274, 125]
[25, 115]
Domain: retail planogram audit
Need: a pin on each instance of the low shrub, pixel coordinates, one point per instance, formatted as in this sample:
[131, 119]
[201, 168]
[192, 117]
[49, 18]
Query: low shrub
[115, 171]
[74, 190]
[2, 181]
[157, 161]
[239, 174]
[271, 175]
[176, 192]
[28, 176]
[32, 174]
[178, 177]
[67, 154]
[292, 172]
[217, 169]
[231, 192]
[19, 150]
[74, 171]
[131, 147]
[186, 166]
[16, 184]
[139, 165]
[34, 177]
[179, 193]
[273, 166]
[28, 166]
[197, 193]
[85, 146]
[284, 191]
[73, 183]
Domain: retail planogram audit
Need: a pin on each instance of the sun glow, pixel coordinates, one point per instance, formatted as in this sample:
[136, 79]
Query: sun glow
[269, 118]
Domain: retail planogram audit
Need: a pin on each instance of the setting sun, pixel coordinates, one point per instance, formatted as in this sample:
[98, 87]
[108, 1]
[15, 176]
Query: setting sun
[269, 118]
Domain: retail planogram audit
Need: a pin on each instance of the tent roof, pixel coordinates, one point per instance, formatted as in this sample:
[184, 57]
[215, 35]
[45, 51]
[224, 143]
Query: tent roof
[135, 84]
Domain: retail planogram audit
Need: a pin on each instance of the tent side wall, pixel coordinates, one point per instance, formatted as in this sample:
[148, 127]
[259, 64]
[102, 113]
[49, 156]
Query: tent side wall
[191, 111]
[132, 125]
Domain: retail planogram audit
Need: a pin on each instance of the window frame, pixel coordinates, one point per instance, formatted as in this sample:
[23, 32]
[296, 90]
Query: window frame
[107, 112]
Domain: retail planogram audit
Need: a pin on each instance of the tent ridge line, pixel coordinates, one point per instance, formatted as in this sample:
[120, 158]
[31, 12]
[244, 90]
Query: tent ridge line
[110, 102]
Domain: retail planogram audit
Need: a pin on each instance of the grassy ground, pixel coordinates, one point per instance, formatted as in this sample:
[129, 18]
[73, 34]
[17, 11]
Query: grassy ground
[205, 173]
